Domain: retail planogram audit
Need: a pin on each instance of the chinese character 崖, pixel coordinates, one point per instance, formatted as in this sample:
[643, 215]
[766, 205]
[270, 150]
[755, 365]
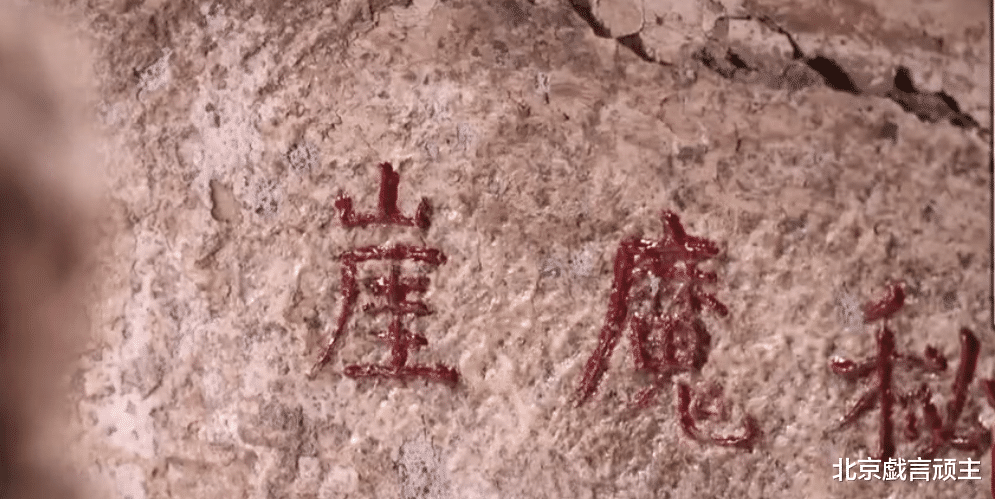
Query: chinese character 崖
[393, 288]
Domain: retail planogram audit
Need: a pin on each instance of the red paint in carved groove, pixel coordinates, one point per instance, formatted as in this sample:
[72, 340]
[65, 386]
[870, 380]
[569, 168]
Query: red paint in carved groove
[393, 288]
[690, 413]
[668, 342]
[387, 210]
[887, 306]
[637, 259]
[941, 434]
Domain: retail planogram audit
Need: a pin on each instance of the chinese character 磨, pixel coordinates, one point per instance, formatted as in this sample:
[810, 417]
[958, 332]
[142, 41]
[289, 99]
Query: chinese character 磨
[671, 339]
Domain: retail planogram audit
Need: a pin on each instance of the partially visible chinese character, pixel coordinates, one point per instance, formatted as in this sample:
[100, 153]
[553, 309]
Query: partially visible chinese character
[884, 395]
[989, 387]
[387, 210]
[658, 291]
[394, 289]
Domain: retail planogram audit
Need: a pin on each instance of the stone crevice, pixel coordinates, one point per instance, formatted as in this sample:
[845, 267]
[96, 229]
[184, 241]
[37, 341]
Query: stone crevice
[733, 63]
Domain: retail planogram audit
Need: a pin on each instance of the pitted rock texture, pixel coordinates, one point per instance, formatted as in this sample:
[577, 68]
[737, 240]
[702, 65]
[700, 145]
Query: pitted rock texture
[543, 133]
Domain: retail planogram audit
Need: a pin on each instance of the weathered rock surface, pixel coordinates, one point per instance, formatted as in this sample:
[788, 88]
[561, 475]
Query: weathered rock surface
[828, 147]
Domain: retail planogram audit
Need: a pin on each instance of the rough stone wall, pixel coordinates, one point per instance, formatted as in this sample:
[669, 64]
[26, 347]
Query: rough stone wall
[830, 148]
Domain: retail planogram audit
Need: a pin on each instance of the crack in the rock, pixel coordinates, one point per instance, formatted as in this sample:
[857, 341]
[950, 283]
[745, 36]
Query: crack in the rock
[736, 60]
[929, 107]
[834, 76]
[584, 10]
[378, 5]
[726, 65]
[633, 42]
[903, 81]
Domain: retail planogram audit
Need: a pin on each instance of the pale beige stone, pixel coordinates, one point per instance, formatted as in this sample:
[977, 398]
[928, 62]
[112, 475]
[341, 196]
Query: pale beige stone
[671, 29]
[621, 17]
[231, 128]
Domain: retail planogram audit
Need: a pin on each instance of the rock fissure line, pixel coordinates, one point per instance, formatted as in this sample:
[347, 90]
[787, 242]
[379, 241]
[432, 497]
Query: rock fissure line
[719, 57]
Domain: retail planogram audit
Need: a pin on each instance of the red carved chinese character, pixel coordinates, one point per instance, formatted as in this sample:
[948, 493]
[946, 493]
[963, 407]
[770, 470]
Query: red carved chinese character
[387, 211]
[665, 341]
[882, 366]
[393, 288]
